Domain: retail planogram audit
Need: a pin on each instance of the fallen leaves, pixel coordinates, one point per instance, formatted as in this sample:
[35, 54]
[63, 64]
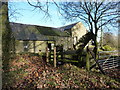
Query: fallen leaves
[31, 71]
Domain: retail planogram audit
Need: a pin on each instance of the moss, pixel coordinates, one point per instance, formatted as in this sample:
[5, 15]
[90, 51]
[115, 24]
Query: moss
[77, 82]
[107, 48]
[51, 77]
[52, 83]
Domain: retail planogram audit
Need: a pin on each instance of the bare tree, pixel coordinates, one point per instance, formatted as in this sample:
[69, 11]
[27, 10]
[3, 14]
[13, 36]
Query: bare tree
[110, 39]
[91, 13]
[14, 13]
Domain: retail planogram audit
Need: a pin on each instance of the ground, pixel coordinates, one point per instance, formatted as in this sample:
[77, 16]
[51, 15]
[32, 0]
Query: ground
[31, 71]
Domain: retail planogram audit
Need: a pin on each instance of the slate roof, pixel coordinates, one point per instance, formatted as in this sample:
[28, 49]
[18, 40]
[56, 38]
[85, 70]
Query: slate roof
[67, 27]
[34, 32]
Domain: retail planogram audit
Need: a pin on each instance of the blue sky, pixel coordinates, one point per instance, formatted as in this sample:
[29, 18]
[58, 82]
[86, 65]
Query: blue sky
[27, 15]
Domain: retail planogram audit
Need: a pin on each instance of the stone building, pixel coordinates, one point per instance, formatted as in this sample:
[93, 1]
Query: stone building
[33, 38]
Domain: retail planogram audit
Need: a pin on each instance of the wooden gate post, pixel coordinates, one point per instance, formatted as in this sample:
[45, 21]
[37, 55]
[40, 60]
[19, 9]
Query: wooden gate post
[34, 46]
[54, 56]
[87, 60]
[47, 55]
[62, 53]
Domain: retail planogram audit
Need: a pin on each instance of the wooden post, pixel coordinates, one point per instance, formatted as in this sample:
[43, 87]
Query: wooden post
[54, 56]
[34, 46]
[87, 60]
[61, 52]
[47, 55]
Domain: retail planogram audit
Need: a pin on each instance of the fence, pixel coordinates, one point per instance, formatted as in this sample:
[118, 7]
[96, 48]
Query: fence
[106, 59]
[58, 55]
[51, 55]
[109, 59]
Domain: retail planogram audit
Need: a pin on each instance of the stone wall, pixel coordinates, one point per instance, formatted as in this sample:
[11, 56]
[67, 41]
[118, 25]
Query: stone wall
[67, 42]
[78, 31]
[30, 46]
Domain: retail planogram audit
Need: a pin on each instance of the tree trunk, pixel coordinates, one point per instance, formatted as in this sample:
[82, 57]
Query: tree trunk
[6, 35]
[95, 40]
[96, 47]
